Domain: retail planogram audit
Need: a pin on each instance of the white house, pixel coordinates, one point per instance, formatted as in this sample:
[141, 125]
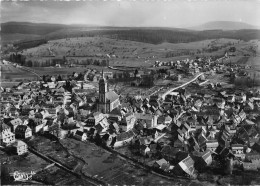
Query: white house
[7, 137]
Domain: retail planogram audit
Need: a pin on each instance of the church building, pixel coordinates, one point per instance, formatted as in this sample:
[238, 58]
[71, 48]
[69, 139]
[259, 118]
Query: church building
[108, 100]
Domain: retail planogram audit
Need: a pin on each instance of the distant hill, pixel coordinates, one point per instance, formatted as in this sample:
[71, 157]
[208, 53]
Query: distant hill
[30, 28]
[223, 25]
[153, 35]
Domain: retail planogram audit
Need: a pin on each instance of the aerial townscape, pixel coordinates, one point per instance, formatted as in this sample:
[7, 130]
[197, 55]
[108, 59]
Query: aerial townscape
[127, 106]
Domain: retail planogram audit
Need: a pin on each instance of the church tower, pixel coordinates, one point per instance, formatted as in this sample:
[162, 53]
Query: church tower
[103, 89]
[103, 104]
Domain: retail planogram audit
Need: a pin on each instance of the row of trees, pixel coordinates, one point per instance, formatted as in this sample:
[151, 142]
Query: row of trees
[21, 60]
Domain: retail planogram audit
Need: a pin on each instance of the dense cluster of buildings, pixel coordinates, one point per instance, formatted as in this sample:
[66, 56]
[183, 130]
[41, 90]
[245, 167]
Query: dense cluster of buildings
[181, 135]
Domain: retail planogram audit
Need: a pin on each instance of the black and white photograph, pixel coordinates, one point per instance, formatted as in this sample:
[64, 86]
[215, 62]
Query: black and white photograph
[130, 92]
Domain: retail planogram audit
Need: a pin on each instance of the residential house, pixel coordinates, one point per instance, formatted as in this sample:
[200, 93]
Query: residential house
[238, 150]
[144, 150]
[128, 122]
[95, 119]
[225, 138]
[238, 118]
[254, 158]
[102, 126]
[224, 152]
[256, 147]
[202, 140]
[162, 164]
[202, 159]
[164, 120]
[212, 145]
[114, 128]
[14, 123]
[82, 136]
[6, 136]
[36, 125]
[186, 166]
[23, 132]
[249, 166]
[149, 119]
[246, 133]
[21, 147]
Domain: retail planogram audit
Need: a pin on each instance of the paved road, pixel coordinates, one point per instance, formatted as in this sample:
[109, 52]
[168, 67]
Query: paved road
[183, 85]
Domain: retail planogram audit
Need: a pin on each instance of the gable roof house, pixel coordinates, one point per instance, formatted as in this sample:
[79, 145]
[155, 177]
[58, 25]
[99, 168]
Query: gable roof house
[21, 147]
[6, 136]
[202, 140]
[82, 136]
[248, 166]
[36, 125]
[254, 158]
[144, 150]
[238, 150]
[212, 145]
[14, 123]
[127, 122]
[162, 164]
[202, 159]
[186, 166]
[23, 132]
[95, 119]
[113, 128]
[247, 132]
[238, 118]
[102, 126]
[149, 119]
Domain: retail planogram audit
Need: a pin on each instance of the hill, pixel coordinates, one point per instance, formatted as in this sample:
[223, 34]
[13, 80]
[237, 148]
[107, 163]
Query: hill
[223, 25]
[153, 35]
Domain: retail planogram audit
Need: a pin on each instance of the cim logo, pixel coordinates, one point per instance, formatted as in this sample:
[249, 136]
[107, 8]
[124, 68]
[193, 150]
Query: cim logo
[22, 176]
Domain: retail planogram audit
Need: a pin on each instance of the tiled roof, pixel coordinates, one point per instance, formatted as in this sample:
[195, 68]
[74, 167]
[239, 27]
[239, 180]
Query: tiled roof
[161, 162]
[125, 135]
[4, 127]
[188, 161]
[80, 133]
[206, 154]
[21, 128]
[112, 96]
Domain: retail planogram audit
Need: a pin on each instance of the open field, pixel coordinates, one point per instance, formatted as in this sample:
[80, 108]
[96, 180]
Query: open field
[28, 163]
[128, 53]
[11, 75]
[54, 150]
[57, 71]
[114, 170]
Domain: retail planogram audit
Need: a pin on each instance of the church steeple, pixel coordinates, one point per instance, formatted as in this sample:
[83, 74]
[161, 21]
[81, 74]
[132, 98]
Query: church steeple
[103, 88]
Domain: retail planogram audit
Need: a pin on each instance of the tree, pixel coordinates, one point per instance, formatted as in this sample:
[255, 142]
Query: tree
[59, 78]
[136, 72]
[29, 63]
[44, 78]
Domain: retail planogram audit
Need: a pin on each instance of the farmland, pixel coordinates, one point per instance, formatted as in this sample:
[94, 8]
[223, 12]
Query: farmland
[112, 169]
[122, 52]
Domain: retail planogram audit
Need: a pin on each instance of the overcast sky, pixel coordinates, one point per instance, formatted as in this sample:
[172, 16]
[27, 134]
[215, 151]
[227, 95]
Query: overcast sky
[169, 13]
